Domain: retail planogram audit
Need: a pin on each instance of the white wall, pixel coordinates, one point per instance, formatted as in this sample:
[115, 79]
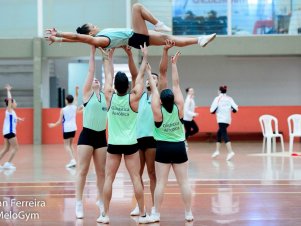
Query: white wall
[252, 81]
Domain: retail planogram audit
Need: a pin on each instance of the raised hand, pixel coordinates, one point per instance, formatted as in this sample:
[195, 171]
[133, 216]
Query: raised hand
[107, 54]
[8, 87]
[169, 44]
[51, 39]
[104, 53]
[144, 49]
[127, 49]
[51, 32]
[175, 58]
[148, 69]
[110, 53]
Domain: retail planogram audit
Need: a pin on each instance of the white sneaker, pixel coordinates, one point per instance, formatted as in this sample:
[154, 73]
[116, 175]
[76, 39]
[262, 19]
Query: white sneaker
[9, 172]
[79, 209]
[8, 165]
[103, 219]
[145, 219]
[205, 39]
[155, 217]
[230, 155]
[153, 210]
[160, 26]
[215, 154]
[136, 211]
[100, 206]
[188, 216]
[72, 163]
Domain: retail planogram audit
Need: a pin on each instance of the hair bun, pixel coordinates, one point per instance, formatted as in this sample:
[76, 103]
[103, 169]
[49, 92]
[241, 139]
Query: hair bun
[223, 89]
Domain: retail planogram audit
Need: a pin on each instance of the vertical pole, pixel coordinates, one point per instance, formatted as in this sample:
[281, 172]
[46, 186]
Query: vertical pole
[37, 79]
[229, 17]
[40, 17]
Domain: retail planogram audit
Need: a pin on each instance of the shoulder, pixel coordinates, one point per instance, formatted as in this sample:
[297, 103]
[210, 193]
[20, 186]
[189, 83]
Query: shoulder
[230, 98]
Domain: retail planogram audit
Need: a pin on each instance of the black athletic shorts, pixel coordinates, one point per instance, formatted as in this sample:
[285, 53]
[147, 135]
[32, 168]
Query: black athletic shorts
[9, 136]
[122, 149]
[146, 142]
[171, 152]
[138, 39]
[68, 135]
[96, 139]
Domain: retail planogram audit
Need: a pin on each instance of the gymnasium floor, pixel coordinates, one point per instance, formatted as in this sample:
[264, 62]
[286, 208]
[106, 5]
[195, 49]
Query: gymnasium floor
[253, 189]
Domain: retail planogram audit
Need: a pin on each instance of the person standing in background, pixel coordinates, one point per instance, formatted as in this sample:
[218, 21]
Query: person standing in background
[68, 120]
[9, 130]
[222, 105]
[190, 125]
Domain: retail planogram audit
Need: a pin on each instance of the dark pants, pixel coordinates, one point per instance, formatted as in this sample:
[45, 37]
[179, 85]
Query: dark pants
[222, 132]
[191, 128]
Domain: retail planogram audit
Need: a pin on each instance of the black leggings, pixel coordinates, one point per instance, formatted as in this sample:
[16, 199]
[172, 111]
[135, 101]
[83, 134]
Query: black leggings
[191, 128]
[222, 133]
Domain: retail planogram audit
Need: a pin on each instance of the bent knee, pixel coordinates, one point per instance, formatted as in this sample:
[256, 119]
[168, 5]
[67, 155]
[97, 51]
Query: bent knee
[137, 6]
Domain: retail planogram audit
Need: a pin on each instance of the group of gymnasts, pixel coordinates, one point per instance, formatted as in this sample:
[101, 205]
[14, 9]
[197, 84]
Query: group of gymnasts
[145, 123]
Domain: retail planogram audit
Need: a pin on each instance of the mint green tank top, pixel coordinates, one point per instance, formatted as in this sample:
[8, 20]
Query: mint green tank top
[145, 118]
[121, 121]
[171, 129]
[118, 36]
[95, 113]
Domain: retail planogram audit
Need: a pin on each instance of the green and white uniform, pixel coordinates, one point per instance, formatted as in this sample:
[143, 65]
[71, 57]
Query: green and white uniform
[94, 122]
[145, 118]
[122, 121]
[170, 138]
[171, 129]
[95, 113]
[118, 36]
[145, 123]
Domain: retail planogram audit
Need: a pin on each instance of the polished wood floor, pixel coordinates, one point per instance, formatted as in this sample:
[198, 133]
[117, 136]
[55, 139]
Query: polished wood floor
[253, 189]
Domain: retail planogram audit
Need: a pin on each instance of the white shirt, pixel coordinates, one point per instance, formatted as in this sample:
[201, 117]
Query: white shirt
[189, 107]
[222, 105]
[10, 122]
[69, 118]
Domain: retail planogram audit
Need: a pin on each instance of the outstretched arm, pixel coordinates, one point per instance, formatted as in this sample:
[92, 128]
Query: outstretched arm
[54, 36]
[234, 106]
[214, 105]
[138, 88]
[179, 99]
[108, 65]
[58, 122]
[156, 105]
[131, 63]
[90, 76]
[9, 98]
[75, 101]
[164, 64]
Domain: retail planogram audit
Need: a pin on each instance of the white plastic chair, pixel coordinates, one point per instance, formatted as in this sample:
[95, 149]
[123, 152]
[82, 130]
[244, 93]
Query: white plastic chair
[294, 128]
[269, 128]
